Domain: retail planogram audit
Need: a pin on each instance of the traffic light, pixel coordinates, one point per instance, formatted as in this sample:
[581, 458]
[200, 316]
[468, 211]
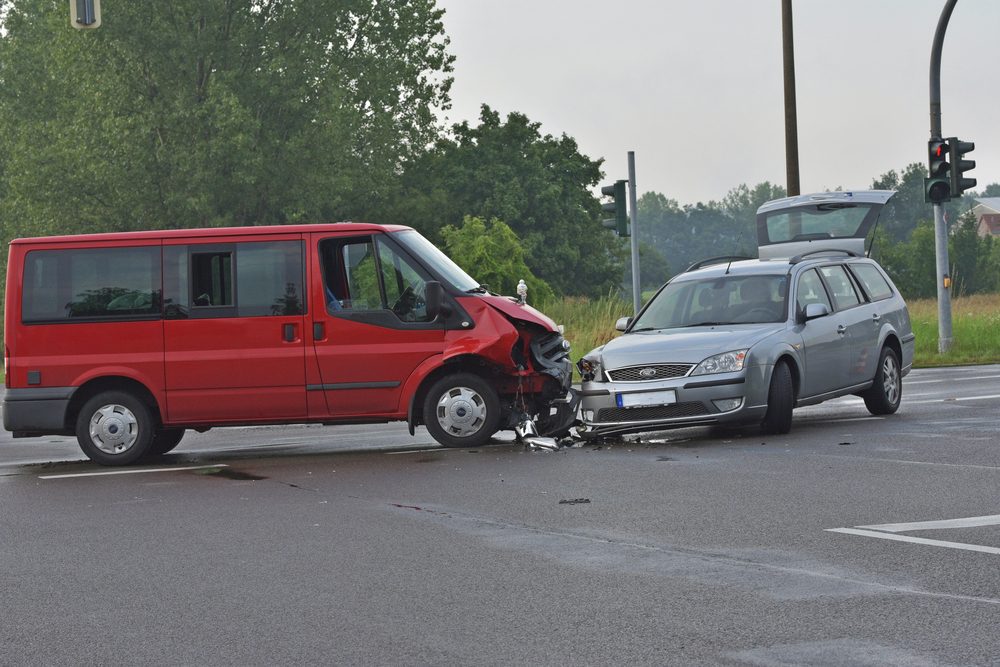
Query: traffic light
[617, 208]
[85, 14]
[960, 184]
[937, 188]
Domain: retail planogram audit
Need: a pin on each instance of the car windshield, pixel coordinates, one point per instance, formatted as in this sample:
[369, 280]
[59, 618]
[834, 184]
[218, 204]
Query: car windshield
[713, 301]
[436, 260]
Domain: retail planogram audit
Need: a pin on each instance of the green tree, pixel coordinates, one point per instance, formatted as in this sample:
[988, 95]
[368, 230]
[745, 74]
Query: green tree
[193, 113]
[494, 256]
[539, 185]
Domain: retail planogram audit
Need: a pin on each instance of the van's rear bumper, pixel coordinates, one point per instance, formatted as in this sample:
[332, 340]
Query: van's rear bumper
[36, 411]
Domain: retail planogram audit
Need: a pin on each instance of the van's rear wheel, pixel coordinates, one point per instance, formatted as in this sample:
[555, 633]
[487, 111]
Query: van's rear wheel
[462, 410]
[115, 428]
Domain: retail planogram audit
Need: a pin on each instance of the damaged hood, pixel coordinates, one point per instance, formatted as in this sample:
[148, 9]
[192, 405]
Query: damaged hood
[517, 311]
[689, 345]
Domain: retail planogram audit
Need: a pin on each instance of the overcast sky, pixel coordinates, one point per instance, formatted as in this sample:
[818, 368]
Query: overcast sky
[695, 87]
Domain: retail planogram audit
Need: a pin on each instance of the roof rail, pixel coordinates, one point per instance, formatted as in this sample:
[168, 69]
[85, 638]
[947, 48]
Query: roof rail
[715, 260]
[799, 258]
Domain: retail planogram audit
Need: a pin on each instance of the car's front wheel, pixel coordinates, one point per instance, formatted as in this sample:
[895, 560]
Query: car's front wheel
[462, 410]
[780, 401]
[887, 390]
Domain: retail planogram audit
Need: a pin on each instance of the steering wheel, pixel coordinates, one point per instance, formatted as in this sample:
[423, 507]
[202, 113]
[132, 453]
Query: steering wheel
[759, 312]
[408, 302]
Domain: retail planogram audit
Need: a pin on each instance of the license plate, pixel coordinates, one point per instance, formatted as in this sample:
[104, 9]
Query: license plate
[665, 397]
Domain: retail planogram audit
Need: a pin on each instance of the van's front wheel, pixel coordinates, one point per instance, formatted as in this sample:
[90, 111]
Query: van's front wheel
[114, 428]
[462, 410]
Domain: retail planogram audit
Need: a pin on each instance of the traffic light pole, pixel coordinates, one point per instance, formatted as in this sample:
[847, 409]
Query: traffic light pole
[940, 227]
[636, 283]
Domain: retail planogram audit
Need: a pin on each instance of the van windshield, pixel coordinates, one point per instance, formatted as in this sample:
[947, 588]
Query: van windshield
[436, 260]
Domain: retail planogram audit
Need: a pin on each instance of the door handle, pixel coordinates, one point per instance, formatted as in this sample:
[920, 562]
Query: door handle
[288, 333]
[876, 317]
[319, 331]
[841, 329]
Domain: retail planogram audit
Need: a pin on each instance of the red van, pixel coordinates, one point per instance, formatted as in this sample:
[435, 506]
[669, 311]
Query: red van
[128, 339]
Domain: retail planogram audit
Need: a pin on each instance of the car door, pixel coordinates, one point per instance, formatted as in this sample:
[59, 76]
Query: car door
[370, 326]
[855, 316]
[824, 339]
[234, 314]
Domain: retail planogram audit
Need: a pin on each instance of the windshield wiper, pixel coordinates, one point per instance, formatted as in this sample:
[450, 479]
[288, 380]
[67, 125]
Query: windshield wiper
[645, 329]
[481, 289]
[704, 324]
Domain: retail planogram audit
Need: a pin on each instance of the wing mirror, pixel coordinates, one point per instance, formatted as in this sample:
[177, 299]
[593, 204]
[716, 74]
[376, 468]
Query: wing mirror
[814, 310]
[622, 323]
[434, 298]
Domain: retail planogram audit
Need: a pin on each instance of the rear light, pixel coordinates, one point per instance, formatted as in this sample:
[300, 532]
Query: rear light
[6, 367]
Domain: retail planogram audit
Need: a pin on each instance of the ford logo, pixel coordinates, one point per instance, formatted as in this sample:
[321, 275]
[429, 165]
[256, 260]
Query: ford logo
[647, 373]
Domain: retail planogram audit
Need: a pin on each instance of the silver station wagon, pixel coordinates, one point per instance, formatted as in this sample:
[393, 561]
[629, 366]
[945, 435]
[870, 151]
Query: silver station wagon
[744, 341]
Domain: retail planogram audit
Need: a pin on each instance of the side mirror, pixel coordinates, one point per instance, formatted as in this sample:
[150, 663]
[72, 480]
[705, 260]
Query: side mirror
[622, 323]
[814, 310]
[434, 298]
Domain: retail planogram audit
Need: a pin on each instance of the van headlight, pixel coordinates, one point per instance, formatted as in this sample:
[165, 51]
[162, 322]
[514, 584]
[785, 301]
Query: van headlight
[727, 362]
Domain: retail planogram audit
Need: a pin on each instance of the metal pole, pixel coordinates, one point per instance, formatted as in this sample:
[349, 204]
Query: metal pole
[940, 225]
[791, 119]
[636, 283]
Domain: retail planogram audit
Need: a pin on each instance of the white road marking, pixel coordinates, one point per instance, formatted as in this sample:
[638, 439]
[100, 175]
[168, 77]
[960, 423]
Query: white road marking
[130, 472]
[911, 463]
[968, 379]
[916, 540]
[958, 398]
[968, 522]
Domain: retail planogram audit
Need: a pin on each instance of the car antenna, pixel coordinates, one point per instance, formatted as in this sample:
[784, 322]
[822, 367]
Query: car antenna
[739, 242]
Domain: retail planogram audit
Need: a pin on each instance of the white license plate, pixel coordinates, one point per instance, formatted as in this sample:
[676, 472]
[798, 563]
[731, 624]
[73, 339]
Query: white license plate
[665, 397]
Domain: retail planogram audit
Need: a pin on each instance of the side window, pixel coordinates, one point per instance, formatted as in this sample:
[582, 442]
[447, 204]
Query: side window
[841, 287]
[366, 274]
[404, 285]
[811, 290]
[269, 278]
[212, 279]
[92, 283]
[872, 280]
[250, 279]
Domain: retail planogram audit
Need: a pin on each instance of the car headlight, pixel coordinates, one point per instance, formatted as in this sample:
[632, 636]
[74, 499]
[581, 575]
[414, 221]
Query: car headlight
[727, 362]
[589, 368]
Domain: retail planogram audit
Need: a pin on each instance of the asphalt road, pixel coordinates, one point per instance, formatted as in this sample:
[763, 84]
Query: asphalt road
[853, 540]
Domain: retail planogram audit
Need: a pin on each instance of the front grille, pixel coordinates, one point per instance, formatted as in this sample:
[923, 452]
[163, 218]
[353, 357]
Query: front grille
[654, 412]
[548, 350]
[649, 372]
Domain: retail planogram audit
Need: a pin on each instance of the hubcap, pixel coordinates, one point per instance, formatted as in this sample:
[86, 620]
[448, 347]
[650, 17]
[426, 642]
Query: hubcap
[461, 412]
[114, 429]
[890, 380]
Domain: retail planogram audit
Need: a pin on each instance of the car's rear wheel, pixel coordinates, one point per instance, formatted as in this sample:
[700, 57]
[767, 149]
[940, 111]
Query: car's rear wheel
[462, 410]
[887, 390]
[115, 428]
[780, 401]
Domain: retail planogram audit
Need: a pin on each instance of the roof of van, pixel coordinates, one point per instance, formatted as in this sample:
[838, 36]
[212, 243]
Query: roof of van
[210, 232]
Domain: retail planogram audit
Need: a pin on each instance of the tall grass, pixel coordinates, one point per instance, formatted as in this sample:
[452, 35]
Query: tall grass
[975, 324]
[975, 327]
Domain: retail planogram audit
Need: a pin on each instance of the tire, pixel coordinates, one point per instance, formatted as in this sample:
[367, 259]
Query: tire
[462, 410]
[887, 389]
[114, 428]
[164, 440]
[780, 401]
